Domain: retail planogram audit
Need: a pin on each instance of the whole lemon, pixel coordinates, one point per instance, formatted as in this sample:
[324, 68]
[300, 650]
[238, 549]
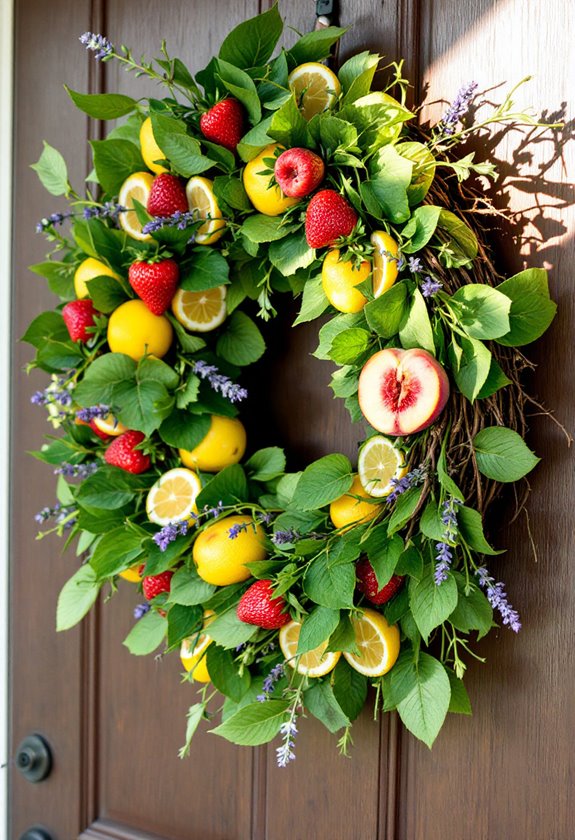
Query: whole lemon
[269, 200]
[339, 280]
[224, 444]
[135, 331]
[87, 270]
[347, 510]
[150, 149]
[220, 557]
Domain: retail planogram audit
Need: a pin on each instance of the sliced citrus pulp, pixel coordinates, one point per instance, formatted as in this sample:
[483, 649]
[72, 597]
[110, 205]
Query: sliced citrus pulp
[315, 663]
[385, 258]
[173, 496]
[316, 88]
[200, 311]
[135, 188]
[110, 425]
[193, 650]
[378, 644]
[378, 462]
[201, 199]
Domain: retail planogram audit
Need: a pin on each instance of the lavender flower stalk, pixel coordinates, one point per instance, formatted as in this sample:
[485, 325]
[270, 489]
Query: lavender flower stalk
[429, 287]
[272, 678]
[91, 413]
[457, 110]
[177, 220]
[98, 44]
[220, 383]
[402, 485]
[108, 210]
[444, 555]
[169, 533]
[140, 610]
[286, 753]
[51, 221]
[414, 264]
[497, 597]
[77, 470]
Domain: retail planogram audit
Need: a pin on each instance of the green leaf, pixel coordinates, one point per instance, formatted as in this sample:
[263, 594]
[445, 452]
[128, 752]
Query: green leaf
[114, 161]
[532, 310]
[481, 311]
[462, 241]
[52, 170]
[459, 702]
[420, 228]
[291, 253]
[330, 585]
[147, 634]
[188, 589]
[445, 479]
[183, 430]
[252, 42]
[336, 135]
[431, 605]
[189, 393]
[241, 86]
[502, 454]
[348, 345]
[289, 127]
[404, 509]
[472, 368]
[471, 529]
[230, 190]
[410, 563]
[229, 631]
[255, 724]
[255, 140]
[322, 482]
[49, 326]
[317, 627]
[321, 702]
[314, 46]
[386, 313]
[266, 464]
[189, 343]
[106, 293]
[228, 485]
[389, 186]
[241, 343]
[260, 228]
[424, 707]
[102, 106]
[334, 327]
[183, 151]
[60, 277]
[383, 553]
[76, 598]
[349, 689]
[314, 302]
[205, 269]
[109, 489]
[430, 523]
[224, 673]
[116, 551]
[143, 404]
[416, 330]
[356, 75]
[423, 170]
[473, 610]
[496, 379]
[194, 715]
[98, 521]
[183, 621]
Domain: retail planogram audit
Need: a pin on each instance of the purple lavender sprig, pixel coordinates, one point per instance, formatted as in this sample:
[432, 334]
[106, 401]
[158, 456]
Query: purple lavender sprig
[178, 220]
[286, 752]
[92, 412]
[272, 678]
[140, 610]
[53, 220]
[430, 287]
[414, 264]
[457, 110]
[444, 556]
[497, 597]
[108, 210]
[286, 537]
[220, 383]
[402, 485]
[80, 471]
[59, 513]
[98, 44]
[170, 532]
[236, 529]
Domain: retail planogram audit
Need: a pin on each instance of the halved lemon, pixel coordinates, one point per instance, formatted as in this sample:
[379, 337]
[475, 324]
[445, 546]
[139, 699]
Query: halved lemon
[200, 311]
[201, 199]
[110, 425]
[136, 187]
[315, 663]
[385, 258]
[378, 462]
[193, 656]
[132, 574]
[378, 644]
[316, 88]
[173, 496]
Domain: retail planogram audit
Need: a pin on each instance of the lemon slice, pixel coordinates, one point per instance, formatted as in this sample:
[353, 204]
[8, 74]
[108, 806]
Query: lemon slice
[384, 261]
[378, 462]
[173, 496]
[136, 187]
[200, 311]
[110, 425]
[378, 644]
[193, 655]
[201, 199]
[315, 663]
[316, 88]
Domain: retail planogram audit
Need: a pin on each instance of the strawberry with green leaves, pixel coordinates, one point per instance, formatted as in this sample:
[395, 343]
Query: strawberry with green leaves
[155, 283]
[122, 453]
[258, 606]
[224, 123]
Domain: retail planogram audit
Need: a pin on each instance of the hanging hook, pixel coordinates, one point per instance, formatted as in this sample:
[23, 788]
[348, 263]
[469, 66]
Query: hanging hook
[326, 13]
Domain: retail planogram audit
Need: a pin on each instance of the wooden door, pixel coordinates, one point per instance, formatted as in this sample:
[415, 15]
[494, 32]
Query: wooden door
[115, 722]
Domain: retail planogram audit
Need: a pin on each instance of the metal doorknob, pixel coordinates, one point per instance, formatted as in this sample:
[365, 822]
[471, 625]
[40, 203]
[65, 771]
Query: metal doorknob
[34, 760]
[35, 834]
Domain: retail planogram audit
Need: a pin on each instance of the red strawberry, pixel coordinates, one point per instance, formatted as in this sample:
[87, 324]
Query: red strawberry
[155, 283]
[367, 583]
[167, 195]
[78, 315]
[328, 217]
[224, 123]
[153, 585]
[298, 172]
[257, 606]
[122, 453]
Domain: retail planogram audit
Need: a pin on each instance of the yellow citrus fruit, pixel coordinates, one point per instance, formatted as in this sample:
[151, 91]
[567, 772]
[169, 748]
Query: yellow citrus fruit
[221, 559]
[135, 331]
[200, 311]
[347, 510]
[267, 199]
[193, 652]
[224, 444]
[132, 574]
[316, 88]
[173, 496]
[110, 425]
[378, 462]
[339, 280]
[202, 201]
[315, 663]
[378, 644]
[150, 149]
[87, 270]
[136, 187]
[385, 255]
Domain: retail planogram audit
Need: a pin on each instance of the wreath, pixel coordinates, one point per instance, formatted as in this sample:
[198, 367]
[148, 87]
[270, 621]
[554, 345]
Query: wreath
[285, 592]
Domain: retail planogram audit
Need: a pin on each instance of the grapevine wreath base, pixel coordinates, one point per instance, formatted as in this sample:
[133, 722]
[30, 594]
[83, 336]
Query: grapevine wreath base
[285, 593]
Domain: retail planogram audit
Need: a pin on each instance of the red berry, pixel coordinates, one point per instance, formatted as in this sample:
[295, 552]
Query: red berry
[299, 172]
[257, 606]
[155, 283]
[167, 196]
[78, 315]
[328, 217]
[122, 453]
[153, 585]
[224, 123]
[367, 583]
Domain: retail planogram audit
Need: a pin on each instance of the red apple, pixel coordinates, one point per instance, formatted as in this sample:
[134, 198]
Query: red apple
[402, 391]
[298, 172]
